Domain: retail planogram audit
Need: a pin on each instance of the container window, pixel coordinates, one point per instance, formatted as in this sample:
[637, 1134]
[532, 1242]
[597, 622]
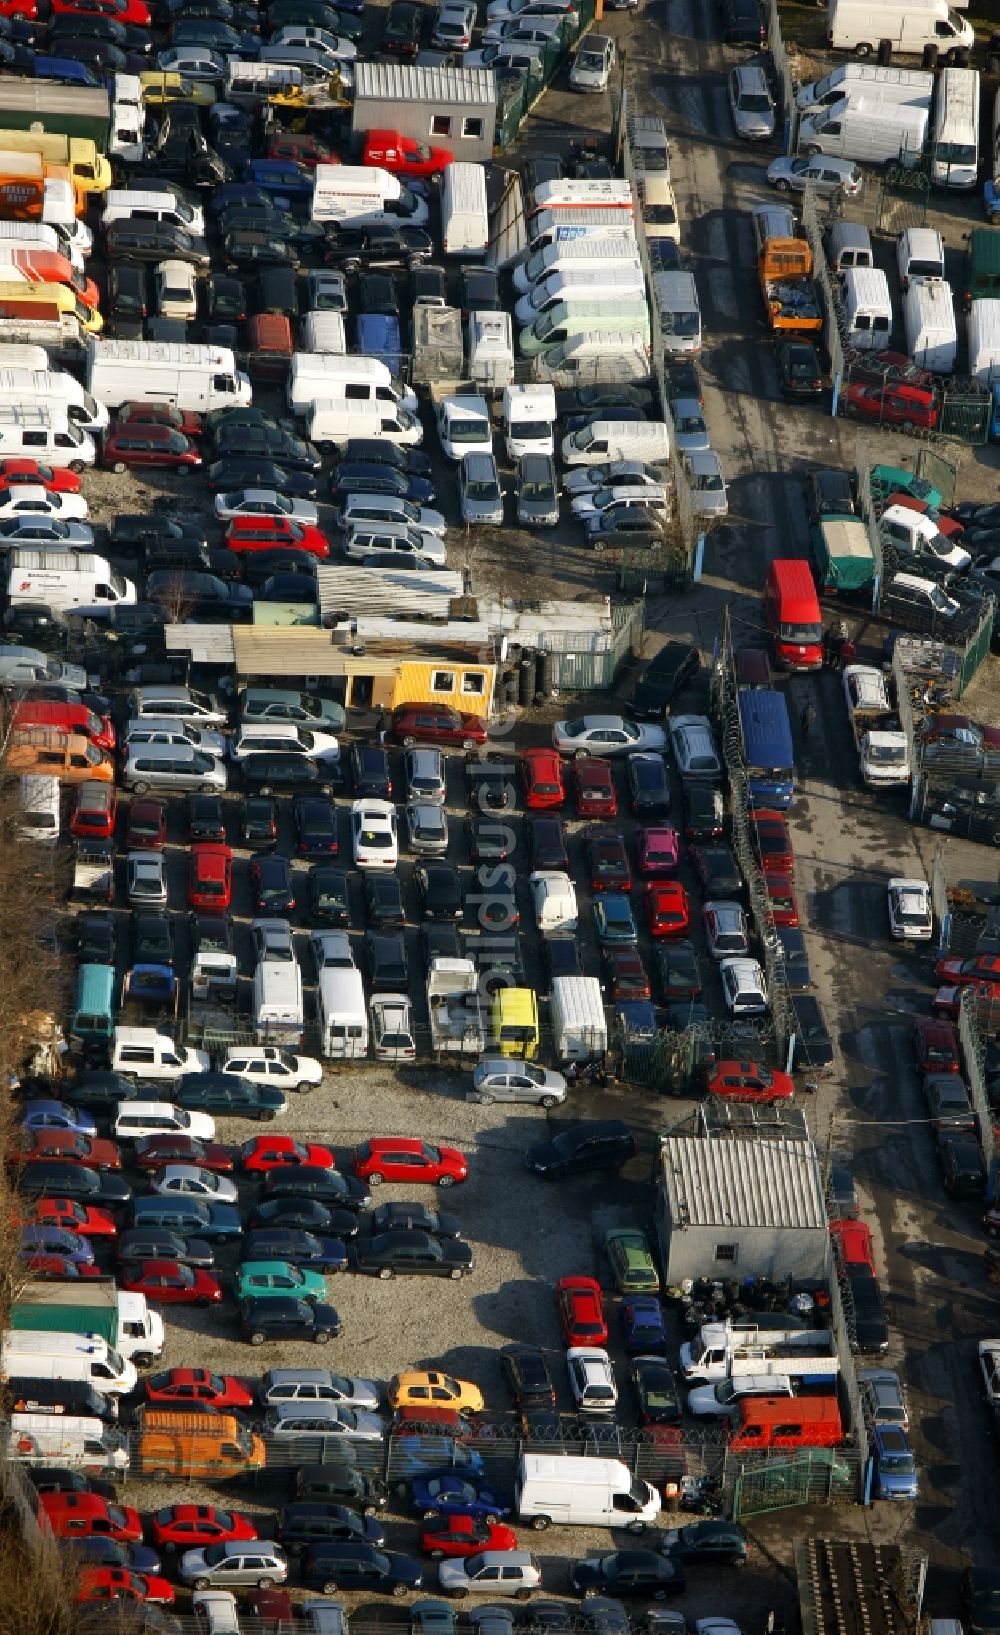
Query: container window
[474, 684]
[440, 124]
[472, 128]
[727, 1251]
[442, 681]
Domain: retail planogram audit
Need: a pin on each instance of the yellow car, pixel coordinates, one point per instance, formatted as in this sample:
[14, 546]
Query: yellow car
[420, 1390]
[160, 88]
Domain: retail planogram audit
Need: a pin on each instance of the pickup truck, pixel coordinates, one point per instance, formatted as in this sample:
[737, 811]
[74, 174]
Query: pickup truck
[786, 284]
[719, 1353]
[883, 752]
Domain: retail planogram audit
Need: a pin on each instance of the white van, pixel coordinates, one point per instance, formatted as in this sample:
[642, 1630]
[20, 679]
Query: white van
[848, 244]
[612, 194]
[955, 134]
[567, 1490]
[919, 254]
[594, 359]
[463, 425]
[931, 333]
[874, 133]
[529, 414]
[465, 226]
[54, 1355]
[54, 388]
[570, 249]
[608, 440]
[342, 1014]
[44, 432]
[357, 378]
[323, 332]
[578, 317]
[363, 195]
[40, 235]
[146, 1053]
[598, 281]
[60, 1439]
[78, 581]
[867, 308]
[984, 342]
[124, 204]
[332, 421]
[854, 79]
[38, 819]
[858, 26]
[278, 1012]
[490, 356]
[134, 1120]
[676, 297]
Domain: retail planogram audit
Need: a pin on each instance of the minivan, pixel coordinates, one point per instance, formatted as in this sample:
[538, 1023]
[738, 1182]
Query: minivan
[172, 769]
[67, 756]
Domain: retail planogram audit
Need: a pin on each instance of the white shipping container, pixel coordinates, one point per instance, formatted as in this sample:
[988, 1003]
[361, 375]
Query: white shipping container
[984, 341]
[579, 1027]
[465, 228]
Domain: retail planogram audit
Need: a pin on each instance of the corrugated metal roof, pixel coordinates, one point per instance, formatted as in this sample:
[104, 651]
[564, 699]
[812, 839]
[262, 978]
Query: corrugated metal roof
[743, 1183]
[300, 651]
[386, 591]
[206, 643]
[405, 82]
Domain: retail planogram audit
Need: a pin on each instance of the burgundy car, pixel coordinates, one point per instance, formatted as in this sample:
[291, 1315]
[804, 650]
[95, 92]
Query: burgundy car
[437, 724]
[142, 444]
[154, 1152]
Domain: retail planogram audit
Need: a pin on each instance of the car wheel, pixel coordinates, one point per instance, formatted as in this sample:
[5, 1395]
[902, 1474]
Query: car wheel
[202, 1584]
[140, 789]
[863, 49]
[265, 1583]
[399, 1590]
[220, 1239]
[203, 1302]
[446, 1181]
[428, 1515]
[581, 755]
[522, 1595]
[266, 1117]
[458, 1595]
[169, 1547]
[330, 1587]
[737, 1561]
[659, 1595]
[548, 1102]
[907, 428]
[77, 465]
[257, 1338]
[386, 1272]
[486, 1099]
[321, 1336]
[636, 1527]
[782, 185]
[375, 1179]
[457, 1272]
[182, 471]
[118, 467]
[160, 1475]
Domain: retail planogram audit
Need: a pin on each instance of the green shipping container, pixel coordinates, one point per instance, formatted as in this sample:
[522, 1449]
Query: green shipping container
[66, 110]
[843, 555]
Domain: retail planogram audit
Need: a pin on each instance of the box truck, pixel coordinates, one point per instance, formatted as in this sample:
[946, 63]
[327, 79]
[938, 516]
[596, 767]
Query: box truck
[579, 1027]
[567, 1490]
[465, 227]
[68, 581]
[67, 110]
[361, 194]
[197, 378]
[89, 171]
[92, 1306]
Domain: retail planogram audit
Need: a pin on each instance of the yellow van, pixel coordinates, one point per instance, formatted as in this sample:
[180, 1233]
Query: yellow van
[160, 88]
[68, 756]
[191, 1445]
[91, 171]
[514, 1022]
[22, 300]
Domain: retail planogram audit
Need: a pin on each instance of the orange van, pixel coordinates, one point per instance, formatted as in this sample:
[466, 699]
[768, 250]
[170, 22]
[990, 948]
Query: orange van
[68, 756]
[791, 613]
[786, 1422]
[181, 1444]
[67, 718]
[271, 346]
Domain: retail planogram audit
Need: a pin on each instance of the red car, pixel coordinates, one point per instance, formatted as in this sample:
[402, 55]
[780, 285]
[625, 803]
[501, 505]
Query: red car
[658, 850]
[580, 1305]
[437, 724]
[87, 1515]
[169, 1283]
[188, 1526]
[121, 11]
[541, 775]
[895, 404]
[774, 843]
[146, 444]
[947, 1000]
[56, 479]
[854, 1243]
[668, 911]
[596, 795]
[301, 149]
[146, 826]
[95, 811]
[57, 1266]
[607, 863]
[178, 1386]
[403, 155]
[781, 897]
[935, 1046]
[152, 1152]
[276, 533]
[264, 1152]
[401, 1158]
[979, 968]
[748, 1081]
[450, 1536]
[70, 1147]
[210, 876]
[161, 414]
[625, 974]
[121, 1584]
[83, 1219]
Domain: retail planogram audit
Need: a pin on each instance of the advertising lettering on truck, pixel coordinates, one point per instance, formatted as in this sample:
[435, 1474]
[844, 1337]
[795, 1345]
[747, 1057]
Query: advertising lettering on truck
[786, 1422]
[767, 746]
[791, 613]
[183, 1444]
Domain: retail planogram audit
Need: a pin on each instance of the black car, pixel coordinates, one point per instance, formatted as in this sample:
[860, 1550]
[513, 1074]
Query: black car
[962, 1164]
[328, 896]
[440, 889]
[287, 560]
[666, 674]
[49, 1178]
[101, 1090]
[547, 843]
[813, 1052]
[315, 826]
[225, 301]
[800, 369]
[742, 23]
[303, 1215]
[374, 451]
[794, 959]
[258, 820]
[678, 969]
[384, 899]
[718, 872]
[205, 818]
[136, 531]
[329, 1567]
[340, 1483]
[305, 237]
[289, 587]
[656, 1392]
[153, 241]
[308, 1523]
[597, 1145]
[235, 472]
[415, 1217]
[385, 952]
[328, 1186]
[266, 442]
[479, 290]
[365, 477]
[227, 1093]
[562, 957]
[405, 1251]
[980, 1598]
[107, 1552]
[403, 29]
[188, 594]
[354, 247]
[428, 286]
[265, 773]
[53, 1479]
[128, 300]
[596, 400]
[439, 940]
[627, 1572]
[648, 787]
[866, 1310]
[95, 939]
[490, 840]
[489, 784]
[371, 773]
[527, 1376]
[152, 939]
[245, 247]
[829, 493]
[281, 1317]
[379, 294]
[128, 36]
[141, 1243]
[271, 879]
[297, 1247]
[498, 960]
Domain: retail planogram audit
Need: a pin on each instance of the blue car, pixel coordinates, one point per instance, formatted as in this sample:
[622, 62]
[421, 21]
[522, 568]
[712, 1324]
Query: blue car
[430, 1455]
[613, 919]
[445, 1493]
[362, 477]
[53, 1240]
[321, 1254]
[283, 176]
[108, 1552]
[644, 1325]
[57, 1115]
[895, 1473]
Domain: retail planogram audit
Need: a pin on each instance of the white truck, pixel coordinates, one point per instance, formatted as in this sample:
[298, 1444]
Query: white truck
[568, 1489]
[128, 120]
[529, 415]
[883, 752]
[719, 1351]
[92, 1306]
[579, 1025]
[363, 195]
[455, 1007]
[55, 388]
[193, 377]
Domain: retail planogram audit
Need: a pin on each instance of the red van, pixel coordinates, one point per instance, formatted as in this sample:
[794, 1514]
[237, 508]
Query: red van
[42, 712]
[791, 613]
[786, 1422]
[270, 349]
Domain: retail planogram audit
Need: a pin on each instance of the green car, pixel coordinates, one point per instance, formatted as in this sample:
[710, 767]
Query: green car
[257, 1279]
[631, 1262]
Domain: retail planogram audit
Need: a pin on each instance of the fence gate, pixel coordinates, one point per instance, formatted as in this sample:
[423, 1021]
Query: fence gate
[940, 468]
[814, 1476]
[977, 649]
[900, 200]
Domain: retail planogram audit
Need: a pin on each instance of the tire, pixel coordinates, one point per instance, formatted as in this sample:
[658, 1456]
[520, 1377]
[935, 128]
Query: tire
[257, 1338]
[182, 471]
[162, 1475]
[265, 1583]
[447, 1181]
[436, 1555]
[522, 1595]
[321, 1336]
[459, 1595]
[398, 1591]
[375, 1179]
[812, 150]
[77, 466]
[202, 1584]
[119, 467]
[202, 1303]
[408, 743]
[548, 1102]
[493, 1520]
[659, 1595]
[540, 1523]
[330, 1587]
[864, 49]
[636, 1527]
[598, 547]
[907, 428]
[782, 185]
[456, 1273]
[140, 789]
[737, 1561]
[486, 1100]
[386, 1272]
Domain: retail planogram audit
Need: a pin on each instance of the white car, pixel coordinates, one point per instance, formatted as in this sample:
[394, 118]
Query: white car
[190, 1181]
[194, 62]
[426, 828]
[584, 481]
[497, 10]
[610, 499]
[392, 1028]
[32, 499]
[512, 31]
[911, 917]
[717, 1401]
[176, 286]
[606, 735]
[273, 939]
[453, 26]
[591, 1379]
[554, 897]
[332, 46]
[517, 55]
[491, 1572]
[865, 689]
[149, 730]
[264, 502]
[744, 987]
[282, 737]
[592, 64]
[725, 930]
[693, 744]
[33, 529]
[267, 1064]
[332, 951]
[374, 834]
[147, 880]
[709, 495]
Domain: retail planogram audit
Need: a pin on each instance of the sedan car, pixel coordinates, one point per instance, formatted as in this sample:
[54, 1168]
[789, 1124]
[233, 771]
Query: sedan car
[580, 1307]
[184, 1526]
[179, 1387]
[607, 862]
[911, 918]
[606, 735]
[449, 1493]
[627, 1572]
[656, 1391]
[191, 1181]
[707, 1541]
[613, 918]
[409, 1252]
[594, 783]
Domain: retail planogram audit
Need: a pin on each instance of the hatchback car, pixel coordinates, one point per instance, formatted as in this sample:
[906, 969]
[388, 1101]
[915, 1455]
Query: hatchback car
[828, 176]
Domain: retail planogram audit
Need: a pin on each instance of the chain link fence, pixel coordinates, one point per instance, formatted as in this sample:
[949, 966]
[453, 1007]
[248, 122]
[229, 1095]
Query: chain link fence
[516, 98]
[784, 82]
[834, 324]
[971, 1038]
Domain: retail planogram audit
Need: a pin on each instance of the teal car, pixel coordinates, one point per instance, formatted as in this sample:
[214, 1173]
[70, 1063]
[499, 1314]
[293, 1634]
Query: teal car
[259, 1279]
[632, 1264]
[886, 480]
[613, 918]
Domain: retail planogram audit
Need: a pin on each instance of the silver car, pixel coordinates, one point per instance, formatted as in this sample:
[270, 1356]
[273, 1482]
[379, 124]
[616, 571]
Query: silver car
[593, 63]
[725, 930]
[606, 735]
[425, 774]
[537, 494]
[709, 496]
[826, 175]
[147, 881]
[499, 1079]
[584, 480]
[491, 1572]
[392, 1028]
[426, 828]
[149, 730]
[750, 103]
[323, 1419]
[690, 425]
[168, 702]
[317, 1385]
[479, 491]
[254, 1562]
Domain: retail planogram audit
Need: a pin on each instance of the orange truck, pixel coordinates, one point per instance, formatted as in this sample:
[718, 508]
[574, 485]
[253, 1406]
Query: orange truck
[786, 284]
[24, 266]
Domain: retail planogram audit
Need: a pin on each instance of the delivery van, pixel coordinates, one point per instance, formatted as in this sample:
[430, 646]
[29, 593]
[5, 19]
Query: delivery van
[40, 235]
[929, 318]
[78, 581]
[134, 204]
[333, 421]
[357, 378]
[601, 281]
[146, 1053]
[62, 1439]
[48, 300]
[53, 388]
[595, 358]
[873, 133]
[342, 1014]
[609, 440]
[791, 614]
[785, 1422]
[44, 432]
[514, 1022]
[38, 809]
[564, 254]
[910, 25]
[854, 79]
[676, 297]
[564, 224]
[465, 228]
[570, 1491]
[955, 135]
[66, 756]
[568, 319]
[52, 1354]
[195, 1445]
[867, 305]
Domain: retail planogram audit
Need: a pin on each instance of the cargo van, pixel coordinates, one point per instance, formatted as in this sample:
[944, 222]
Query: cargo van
[955, 133]
[342, 1014]
[786, 1422]
[38, 817]
[581, 250]
[22, 300]
[984, 341]
[676, 297]
[572, 1491]
[767, 747]
[854, 79]
[78, 581]
[356, 378]
[874, 133]
[199, 378]
[567, 319]
[51, 387]
[465, 228]
[929, 316]
[608, 440]
[529, 414]
[564, 224]
[791, 614]
[195, 1445]
[867, 305]
[51, 1354]
[909, 25]
[44, 432]
[26, 1394]
[278, 1013]
[595, 358]
[93, 1023]
[333, 421]
[594, 281]
[128, 204]
[269, 346]
[919, 254]
[66, 756]
[62, 1439]
[848, 245]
